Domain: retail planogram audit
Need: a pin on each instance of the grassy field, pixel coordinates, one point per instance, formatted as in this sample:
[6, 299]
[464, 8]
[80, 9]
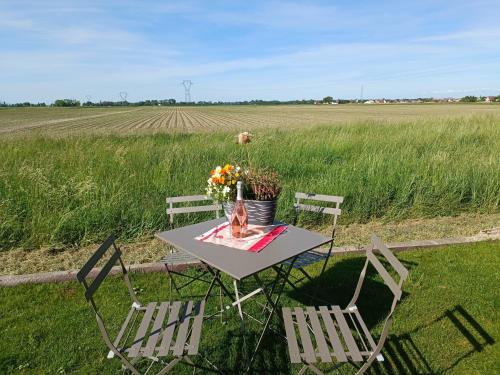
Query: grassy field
[139, 120]
[446, 322]
[76, 189]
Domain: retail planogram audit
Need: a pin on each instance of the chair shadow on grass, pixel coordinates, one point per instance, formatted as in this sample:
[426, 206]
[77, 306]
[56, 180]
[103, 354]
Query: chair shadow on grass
[272, 357]
[403, 355]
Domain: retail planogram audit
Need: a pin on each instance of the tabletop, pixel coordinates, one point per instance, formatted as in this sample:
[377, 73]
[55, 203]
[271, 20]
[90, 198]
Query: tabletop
[240, 264]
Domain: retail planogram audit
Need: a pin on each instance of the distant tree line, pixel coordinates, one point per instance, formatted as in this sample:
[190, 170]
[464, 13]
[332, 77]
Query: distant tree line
[24, 104]
[171, 102]
[66, 103]
[167, 102]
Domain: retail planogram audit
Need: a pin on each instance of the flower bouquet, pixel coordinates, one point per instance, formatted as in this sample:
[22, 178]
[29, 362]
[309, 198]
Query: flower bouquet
[261, 191]
[222, 182]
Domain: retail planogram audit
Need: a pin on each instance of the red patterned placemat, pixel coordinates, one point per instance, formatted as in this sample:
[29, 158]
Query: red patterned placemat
[256, 239]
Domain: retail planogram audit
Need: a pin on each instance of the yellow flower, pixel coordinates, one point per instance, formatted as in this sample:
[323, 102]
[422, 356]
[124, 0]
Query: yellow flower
[236, 174]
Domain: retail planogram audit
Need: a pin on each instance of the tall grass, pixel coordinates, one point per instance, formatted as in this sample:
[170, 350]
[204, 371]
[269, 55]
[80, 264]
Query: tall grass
[78, 189]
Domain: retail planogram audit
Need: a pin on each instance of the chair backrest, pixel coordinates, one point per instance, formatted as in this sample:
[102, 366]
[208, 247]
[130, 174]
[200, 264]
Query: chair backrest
[323, 209]
[394, 287]
[171, 210]
[91, 288]
[394, 262]
[94, 285]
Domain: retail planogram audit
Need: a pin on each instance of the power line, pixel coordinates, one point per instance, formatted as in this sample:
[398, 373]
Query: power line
[187, 83]
[123, 96]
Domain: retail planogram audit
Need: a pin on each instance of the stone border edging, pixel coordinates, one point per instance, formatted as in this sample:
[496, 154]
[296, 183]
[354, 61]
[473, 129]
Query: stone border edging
[60, 276]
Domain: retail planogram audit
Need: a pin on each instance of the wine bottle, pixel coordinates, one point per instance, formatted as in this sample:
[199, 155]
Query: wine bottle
[239, 216]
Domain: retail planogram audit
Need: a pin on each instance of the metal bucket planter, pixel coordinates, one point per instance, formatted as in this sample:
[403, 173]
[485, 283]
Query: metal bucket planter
[259, 212]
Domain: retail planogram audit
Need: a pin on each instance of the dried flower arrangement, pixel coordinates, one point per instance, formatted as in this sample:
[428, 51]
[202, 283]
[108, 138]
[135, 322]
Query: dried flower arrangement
[262, 184]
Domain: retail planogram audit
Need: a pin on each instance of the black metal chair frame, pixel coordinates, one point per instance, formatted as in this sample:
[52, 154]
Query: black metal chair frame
[184, 320]
[360, 349]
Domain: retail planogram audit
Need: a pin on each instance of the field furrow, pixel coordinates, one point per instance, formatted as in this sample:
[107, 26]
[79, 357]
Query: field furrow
[192, 119]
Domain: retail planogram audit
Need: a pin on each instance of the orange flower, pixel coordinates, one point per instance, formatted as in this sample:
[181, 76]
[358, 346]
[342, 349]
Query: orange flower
[223, 171]
[215, 180]
[212, 171]
[221, 179]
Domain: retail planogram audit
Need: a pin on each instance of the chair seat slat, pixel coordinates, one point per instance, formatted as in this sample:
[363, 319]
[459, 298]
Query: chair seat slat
[307, 258]
[169, 330]
[365, 329]
[179, 257]
[124, 326]
[338, 349]
[183, 330]
[305, 338]
[324, 352]
[291, 337]
[156, 330]
[141, 332]
[346, 333]
[194, 341]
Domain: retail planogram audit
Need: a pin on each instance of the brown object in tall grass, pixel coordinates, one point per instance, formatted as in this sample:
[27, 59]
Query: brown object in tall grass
[262, 184]
[244, 138]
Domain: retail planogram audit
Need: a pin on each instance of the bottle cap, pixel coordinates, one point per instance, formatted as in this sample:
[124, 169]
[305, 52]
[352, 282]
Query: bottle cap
[239, 191]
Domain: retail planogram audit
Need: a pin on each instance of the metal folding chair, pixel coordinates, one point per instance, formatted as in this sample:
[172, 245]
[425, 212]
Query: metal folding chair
[304, 326]
[166, 329]
[315, 256]
[177, 257]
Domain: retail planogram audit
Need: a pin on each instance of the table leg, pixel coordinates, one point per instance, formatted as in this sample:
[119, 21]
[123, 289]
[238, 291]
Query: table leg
[216, 279]
[209, 290]
[242, 320]
[273, 304]
[278, 273]
[222, 290]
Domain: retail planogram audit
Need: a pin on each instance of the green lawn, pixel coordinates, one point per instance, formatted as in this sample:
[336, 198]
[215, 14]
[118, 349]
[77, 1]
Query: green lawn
[447, 321]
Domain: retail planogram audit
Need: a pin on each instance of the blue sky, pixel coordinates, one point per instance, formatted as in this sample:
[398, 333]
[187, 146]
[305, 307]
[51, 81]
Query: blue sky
[247, 50]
